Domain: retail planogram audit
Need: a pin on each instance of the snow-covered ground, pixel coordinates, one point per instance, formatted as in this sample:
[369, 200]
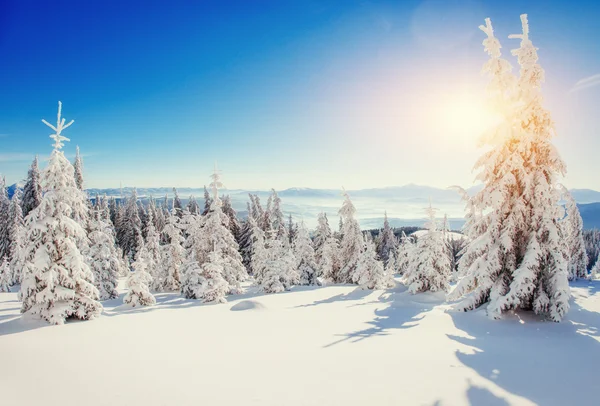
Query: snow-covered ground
[334, 345]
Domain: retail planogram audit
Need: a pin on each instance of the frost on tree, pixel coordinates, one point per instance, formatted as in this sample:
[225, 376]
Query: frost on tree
[515, 259]
[105, 260]
[326, 250]
[5, 276]
[213, 288]
[191, 278]
[370, 272]
[280, 272]
[4, 220]
[305, 257]
[352, 243]
[388, 244]
[32, 191]
[572, 237]
[78, 168]
[172, 256]
[15, 235]
[139, 281]
[405, 251]
[429, 266]
[153, 251]
[57, 283]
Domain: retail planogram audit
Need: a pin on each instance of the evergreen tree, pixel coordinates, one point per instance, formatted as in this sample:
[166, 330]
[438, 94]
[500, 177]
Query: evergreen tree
[515, 259]
[292, 228]
[322, 233]
[572, 230]
[405, 252]
[276, 217]
[177, 206]
[105, 261]
[172, 256]
[213, 287]
[131, 225]
[370, 272]
[245, 241]
[32, 191]
[305, 257]
[56, 282]
[191, 278]
[258, 251]
[139, 281]
[387, 244]
[328, 261]
[112, 205]
[234, 223]
[78, 169]
[193, 207]
[279, 272]
[153, 251]
[4, 220]
[15, 235]
[207, 202]
[352, 244]
[429, 265]
[5, 276]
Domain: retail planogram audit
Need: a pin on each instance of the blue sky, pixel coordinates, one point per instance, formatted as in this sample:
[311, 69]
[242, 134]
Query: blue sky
[281, 93]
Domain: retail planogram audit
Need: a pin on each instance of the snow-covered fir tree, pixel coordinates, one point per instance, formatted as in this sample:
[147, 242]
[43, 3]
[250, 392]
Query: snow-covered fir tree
[172, 256]
[572, 230]
[32, 191]
[153, 251]
[245, 240]
[279, 272]
[213, 288]
[105, 260]
[57, 283]
[258, 251]
[15, 234]
[515, 259]
[78, 169]
[292, 228]
[139, 281]
[5, 276]
[276, 217]
[370, 272]
[207, 202]
[429, 267]
[322, 233]
[388, 243]
[305, 257]
[177, 205]
[328, 262]
[234, 223]
[193, 207]
[405, 251]
[352, 243]
[191, 278]
[131, 225]
[4, 220]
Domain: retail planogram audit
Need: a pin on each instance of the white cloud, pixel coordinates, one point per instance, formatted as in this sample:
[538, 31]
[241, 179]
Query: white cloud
[586, 83]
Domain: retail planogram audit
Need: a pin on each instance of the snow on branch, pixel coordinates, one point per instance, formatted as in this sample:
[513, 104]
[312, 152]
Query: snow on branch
[60, 126]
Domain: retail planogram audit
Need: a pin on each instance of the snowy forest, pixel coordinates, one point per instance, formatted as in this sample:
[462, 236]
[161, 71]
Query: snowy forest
[66, 253]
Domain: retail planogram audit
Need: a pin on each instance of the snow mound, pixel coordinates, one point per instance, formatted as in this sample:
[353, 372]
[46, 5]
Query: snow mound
[247, 305]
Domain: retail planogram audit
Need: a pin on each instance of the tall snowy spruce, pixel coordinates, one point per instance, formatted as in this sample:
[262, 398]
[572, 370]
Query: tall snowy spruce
[172, 256]
[388, 244]
[32, 191]
[405, 251]
[57, 283]
[326, 250]
[305, 257]
[4, 220]
[15, 234]
[78, 169]
[352, 243]
[572, 235]
[5, 276]
[429, 265]
[370, 272]
[279, 266]
[515, 259]
[139, 280]
[154, 254]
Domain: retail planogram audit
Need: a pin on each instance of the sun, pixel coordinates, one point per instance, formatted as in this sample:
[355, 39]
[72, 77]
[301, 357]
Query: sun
[466, 116]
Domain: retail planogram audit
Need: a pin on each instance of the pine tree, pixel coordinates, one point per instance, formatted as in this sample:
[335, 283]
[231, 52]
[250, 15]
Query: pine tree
[15, 234]
[153, 250]
[515, 259]
[328, 260]
[292, 228]
[139, 281]
[4, 220]
[388, 244]
[429, 265]
[207, 202]
[5, 276]
[193, 207]
[405, 252]
[234, 223]
[352, 244]
[57, 283]
[322, 233]
[245, 241]
[112, 205]
[191, 278]
[105, 261]
[370, 272]
[276, 217]
[131, 226]
[177, 206]
[572, 230]
[305, 257]
[258, 251]
[213, 287]
[78, 169]
[32, 191]
[279, 273]
[172, 256]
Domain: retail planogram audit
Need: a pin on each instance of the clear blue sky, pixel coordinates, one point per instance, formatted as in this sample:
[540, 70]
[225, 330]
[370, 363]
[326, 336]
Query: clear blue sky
[281, 93]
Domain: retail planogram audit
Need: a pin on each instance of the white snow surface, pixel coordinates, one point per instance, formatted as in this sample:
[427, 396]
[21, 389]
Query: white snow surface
[333, 345]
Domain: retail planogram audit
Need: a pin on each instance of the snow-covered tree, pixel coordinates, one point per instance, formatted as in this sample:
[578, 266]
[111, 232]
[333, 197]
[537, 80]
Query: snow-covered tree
[139, 281]
[245, 241]
[429, 266]
[279, 273]
[177, 206]
[387, 244]
[5, 276]
[305, 257]
[56, 282]
[78, 169]
[153, 250]
[572, 230]
[213, 288]
[515, 259]
[4, 220]
[322, 233]
[131, 225]
[258, 251]
[105, 260]
[32, 191]
[172, 256]
[328, 260]
[405, 251]
[207, 202]
[193, 207]
[191, 278]
[352, 244]
[15, 235]
[370, 272]
[234, 223]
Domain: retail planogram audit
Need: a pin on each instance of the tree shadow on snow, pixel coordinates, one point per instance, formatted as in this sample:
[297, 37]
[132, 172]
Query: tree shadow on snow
[356, 295]
[403, 311]
[545, 362]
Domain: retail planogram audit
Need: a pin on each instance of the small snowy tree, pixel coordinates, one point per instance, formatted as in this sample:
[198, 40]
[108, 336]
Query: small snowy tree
[429, 267]
[213, 287]
[15, 234]
[370, 272]
[139, 281]
[5, 276]
[57, 283]
[387, 244]
[279, 273]
[32, 191]
[572, 230]
[4, 220]
[191, 278]
[154, 258]
[305, 257]
[78, 169]
[405, 251]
